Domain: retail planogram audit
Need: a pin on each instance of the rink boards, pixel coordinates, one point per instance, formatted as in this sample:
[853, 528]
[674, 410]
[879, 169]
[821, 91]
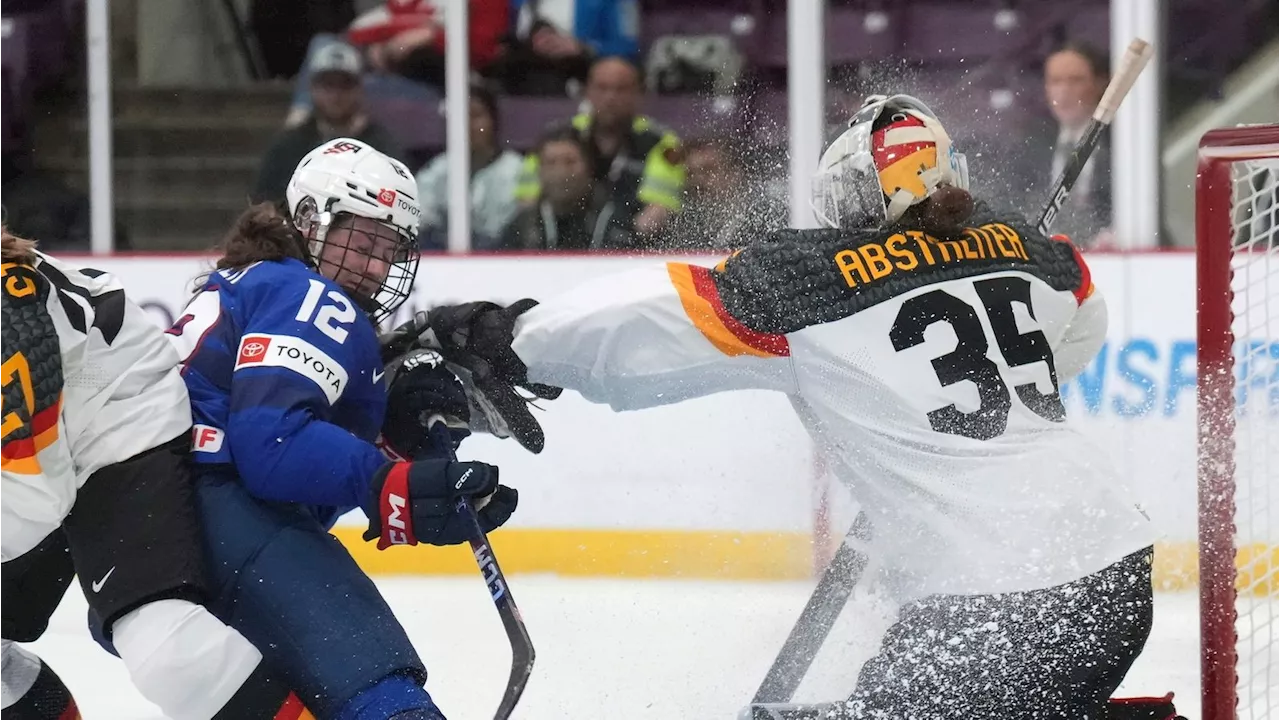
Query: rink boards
[724, 487]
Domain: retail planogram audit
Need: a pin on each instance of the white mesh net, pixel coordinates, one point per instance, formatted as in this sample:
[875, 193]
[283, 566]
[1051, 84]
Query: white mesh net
[1256, 309]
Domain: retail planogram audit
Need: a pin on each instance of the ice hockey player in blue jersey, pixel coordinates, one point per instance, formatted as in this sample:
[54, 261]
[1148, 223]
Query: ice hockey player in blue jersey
[287, 387]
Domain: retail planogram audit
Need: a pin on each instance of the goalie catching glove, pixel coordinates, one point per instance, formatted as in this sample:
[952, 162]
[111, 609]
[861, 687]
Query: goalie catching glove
[475, 340]
[417, 502]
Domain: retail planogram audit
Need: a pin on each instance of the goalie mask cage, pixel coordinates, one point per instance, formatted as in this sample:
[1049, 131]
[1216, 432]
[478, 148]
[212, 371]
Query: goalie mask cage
[1237, 254]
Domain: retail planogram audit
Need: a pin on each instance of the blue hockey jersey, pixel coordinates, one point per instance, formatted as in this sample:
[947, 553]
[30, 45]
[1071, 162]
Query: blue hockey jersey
[285, 378]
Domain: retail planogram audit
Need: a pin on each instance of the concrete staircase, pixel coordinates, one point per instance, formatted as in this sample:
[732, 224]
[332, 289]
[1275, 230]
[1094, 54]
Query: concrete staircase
[184, 158]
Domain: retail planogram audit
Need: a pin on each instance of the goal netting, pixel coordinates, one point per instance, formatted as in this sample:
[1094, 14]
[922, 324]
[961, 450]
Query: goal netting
[1238, 258]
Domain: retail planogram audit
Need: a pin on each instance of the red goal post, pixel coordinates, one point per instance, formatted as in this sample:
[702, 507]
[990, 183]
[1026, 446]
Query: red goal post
[1237, 261]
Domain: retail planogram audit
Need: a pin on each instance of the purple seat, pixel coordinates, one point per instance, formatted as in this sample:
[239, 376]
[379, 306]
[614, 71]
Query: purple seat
[414, 122]
[965, 107]
[693, 116]
[14, 48]
[945, 32]
[524, 119]
[48, 36]
[419, 125]
[847, 38]
[11, 139]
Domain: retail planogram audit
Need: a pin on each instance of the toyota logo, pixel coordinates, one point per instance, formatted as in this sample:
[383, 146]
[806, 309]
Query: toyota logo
[254, 349]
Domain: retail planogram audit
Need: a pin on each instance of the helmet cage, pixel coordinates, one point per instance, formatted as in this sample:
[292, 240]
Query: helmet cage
[379, 295]
[848, 192]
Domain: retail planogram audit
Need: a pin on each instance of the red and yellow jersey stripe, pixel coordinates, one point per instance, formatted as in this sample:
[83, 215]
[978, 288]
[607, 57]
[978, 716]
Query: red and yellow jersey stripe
[1085, 289]
[23, 456]
[293, 709]
[702, 303]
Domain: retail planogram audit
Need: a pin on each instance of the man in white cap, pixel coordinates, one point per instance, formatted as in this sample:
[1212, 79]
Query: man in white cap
[338, 110]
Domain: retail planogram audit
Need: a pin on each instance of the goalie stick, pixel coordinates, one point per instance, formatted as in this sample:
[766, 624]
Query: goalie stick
[522, 654]
[845, 569]
[1131, 65]
[818, 617]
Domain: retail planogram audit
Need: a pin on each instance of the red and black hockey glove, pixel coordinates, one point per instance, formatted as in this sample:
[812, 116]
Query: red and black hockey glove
[416, 502]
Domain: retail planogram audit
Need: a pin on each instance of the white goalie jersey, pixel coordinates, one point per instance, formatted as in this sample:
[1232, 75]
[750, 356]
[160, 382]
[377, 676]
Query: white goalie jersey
[89, 381]
[926, 370]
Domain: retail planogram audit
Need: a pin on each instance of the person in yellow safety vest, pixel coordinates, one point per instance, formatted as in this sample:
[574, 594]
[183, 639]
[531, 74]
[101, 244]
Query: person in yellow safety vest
[637, 158]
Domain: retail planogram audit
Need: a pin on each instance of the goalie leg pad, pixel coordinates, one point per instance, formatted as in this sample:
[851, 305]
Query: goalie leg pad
[184, 659]
[1054, 653]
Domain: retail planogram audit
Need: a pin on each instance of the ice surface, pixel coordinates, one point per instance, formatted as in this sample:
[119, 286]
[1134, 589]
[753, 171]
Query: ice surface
[609, 648]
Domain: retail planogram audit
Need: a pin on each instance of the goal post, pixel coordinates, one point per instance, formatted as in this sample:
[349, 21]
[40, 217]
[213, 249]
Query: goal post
[1237, 261]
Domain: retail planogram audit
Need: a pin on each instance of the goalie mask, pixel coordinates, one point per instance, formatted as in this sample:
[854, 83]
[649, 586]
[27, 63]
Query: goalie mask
[895, 154]
[358, 210]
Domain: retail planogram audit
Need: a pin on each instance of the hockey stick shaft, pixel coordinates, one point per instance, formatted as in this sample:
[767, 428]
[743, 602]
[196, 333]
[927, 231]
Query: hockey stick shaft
[816, 620]
[522, 653]
[1131, 66]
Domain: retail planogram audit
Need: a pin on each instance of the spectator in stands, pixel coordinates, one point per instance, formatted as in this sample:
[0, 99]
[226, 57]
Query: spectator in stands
[638, 160]
[338, 111]
[407, 37]
[555, 42]
[1074, 77]
[723, 206]
[574, 211]
[494, 174]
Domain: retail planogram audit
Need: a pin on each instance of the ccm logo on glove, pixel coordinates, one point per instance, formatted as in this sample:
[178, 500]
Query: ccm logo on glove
[416, 502]
[398, 534]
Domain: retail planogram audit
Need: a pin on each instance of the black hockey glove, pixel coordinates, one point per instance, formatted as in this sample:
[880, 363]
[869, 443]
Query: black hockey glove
[416, 502]
[475, 339]
[419, 385]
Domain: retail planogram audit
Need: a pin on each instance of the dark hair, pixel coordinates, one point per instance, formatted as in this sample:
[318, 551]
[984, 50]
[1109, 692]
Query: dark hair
[262, 232]
[944, 214]
[632, 64]
[483, 95]
[567, 134]
[17, 248]
[1097, 60]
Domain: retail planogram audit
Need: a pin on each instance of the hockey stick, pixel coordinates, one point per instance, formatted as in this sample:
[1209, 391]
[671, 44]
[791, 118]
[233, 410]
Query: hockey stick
[845, 569]
[818, 617]
[522, 654]
[1131, 65]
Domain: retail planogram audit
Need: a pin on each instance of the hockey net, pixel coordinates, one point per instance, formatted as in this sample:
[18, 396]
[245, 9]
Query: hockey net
[1238, 258]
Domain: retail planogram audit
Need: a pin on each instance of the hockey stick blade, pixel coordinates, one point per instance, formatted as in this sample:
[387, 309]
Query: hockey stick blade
[522, 653]
[816, 620]
[1131, 66]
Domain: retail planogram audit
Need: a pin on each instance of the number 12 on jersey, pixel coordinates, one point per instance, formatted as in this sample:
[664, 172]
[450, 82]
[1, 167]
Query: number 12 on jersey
[331, 316]
[969, 361]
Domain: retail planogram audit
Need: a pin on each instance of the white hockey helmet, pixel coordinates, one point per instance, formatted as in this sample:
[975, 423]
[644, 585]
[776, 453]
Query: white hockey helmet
[344, 179]
[895, 154]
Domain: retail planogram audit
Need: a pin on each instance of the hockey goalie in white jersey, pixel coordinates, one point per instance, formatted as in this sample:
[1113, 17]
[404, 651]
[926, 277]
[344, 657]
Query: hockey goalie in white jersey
[921, 338]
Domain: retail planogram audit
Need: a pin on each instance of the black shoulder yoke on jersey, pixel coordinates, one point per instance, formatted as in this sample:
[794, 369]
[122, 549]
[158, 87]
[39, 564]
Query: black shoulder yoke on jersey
[797, 278]
[32, 359]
